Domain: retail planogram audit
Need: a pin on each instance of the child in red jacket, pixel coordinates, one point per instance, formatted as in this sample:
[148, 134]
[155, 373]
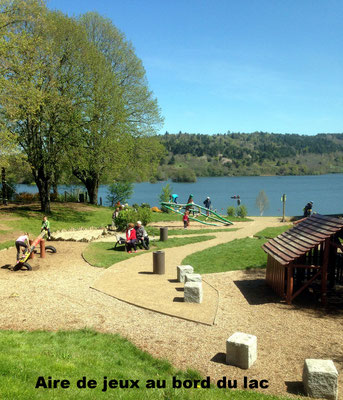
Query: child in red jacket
[185, 219]
[131, 239]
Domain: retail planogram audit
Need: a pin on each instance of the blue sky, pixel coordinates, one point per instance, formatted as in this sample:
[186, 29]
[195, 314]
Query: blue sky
[239, 66]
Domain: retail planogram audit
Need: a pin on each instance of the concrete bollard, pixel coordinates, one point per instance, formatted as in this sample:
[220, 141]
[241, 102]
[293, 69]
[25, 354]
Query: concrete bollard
[320, 379]
[193, 278]
[182, 270]
[159, 262]
[164, 234]
[241, 350]
[42, 248]
[193, 292]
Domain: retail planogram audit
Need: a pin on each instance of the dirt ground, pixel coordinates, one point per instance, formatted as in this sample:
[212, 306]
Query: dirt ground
[57, 295]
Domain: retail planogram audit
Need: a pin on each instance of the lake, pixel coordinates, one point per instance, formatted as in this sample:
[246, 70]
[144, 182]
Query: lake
[326, 192]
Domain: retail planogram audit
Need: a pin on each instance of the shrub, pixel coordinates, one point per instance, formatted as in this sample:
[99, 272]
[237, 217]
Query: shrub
[145, 205]
[184, 175]
[242, 211]
[231, 211]
[128, 215]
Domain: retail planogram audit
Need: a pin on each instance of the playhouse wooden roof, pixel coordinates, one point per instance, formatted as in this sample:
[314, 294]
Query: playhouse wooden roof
[295, 242]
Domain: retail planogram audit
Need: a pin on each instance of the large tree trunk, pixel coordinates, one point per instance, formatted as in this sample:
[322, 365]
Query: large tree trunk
[43, 183]
[92, 186]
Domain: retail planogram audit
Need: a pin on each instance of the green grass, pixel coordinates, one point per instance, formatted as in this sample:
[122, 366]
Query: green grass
[7, 244]
[26, 356]
[102, 254]
[157, 217]
[62, 216]
[270, 233]
[236, 255]
[177, 232]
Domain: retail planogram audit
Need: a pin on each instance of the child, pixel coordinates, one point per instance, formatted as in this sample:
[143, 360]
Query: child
[46, 226]
[22, 241]
[185, 219]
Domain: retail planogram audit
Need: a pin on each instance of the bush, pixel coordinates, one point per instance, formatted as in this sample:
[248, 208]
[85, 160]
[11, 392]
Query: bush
[242, 211]
[128, 215]
[145, 205]
[231, 211]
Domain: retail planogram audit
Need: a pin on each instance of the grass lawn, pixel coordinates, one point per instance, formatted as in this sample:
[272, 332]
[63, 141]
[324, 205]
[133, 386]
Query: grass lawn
[6, 244]
[72, 355]
[176, 232]
[63, 216]
[102, 254]
[270, 233]
[157, 217]
[236, 255]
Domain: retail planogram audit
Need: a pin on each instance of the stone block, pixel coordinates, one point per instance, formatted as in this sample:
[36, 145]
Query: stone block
[182, 270]
[320, 379]
[193, 292]
[241, 350]
[193, 278]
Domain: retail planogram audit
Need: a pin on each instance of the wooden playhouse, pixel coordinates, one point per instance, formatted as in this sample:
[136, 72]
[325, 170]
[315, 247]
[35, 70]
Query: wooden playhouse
[310, 252]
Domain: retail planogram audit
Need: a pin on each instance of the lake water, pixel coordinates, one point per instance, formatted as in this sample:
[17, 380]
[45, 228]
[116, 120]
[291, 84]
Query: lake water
[326, 192]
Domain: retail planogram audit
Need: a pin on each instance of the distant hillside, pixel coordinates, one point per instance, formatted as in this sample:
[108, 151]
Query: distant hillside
[258, 153]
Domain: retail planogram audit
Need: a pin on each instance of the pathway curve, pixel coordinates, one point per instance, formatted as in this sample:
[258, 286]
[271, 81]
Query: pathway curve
[57, 295]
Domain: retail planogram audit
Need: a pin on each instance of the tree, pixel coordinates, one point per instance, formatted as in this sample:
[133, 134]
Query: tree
[119, 192]
[121, 113]
[46, 64]
[165, 196]
[262, 202]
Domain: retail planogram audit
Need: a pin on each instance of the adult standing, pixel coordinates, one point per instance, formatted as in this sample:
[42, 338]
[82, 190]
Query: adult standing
[207, 204]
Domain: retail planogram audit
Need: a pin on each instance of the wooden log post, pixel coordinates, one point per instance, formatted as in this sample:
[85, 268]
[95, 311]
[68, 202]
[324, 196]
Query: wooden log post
[42, 248]
[32, 255]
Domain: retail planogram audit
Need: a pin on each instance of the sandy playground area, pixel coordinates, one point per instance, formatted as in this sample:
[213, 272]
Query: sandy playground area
[58, 294]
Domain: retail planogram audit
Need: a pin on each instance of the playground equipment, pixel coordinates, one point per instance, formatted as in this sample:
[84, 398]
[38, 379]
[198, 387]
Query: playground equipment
[196, 208]
[22, 262]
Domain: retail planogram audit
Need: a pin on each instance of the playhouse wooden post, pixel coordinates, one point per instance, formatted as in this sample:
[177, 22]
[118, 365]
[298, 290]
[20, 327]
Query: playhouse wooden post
[325, 271]
[42, 248]
[289, 284]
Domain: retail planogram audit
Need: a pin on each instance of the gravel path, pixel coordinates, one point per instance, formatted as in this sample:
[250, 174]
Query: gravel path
[57, 295]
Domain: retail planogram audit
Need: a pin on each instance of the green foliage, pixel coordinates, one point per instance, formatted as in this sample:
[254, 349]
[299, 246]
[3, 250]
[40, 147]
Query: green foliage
[166, 192]
[262, 202]
[183, 175]
[119, 192]
[231, 211]
[241, 211]
[128, 215]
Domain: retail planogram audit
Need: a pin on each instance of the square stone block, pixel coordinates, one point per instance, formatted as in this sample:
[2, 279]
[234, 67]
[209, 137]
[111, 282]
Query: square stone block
[193, 292]
[182, 270]
[193, 278]
[241, 350]
[320, 379]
